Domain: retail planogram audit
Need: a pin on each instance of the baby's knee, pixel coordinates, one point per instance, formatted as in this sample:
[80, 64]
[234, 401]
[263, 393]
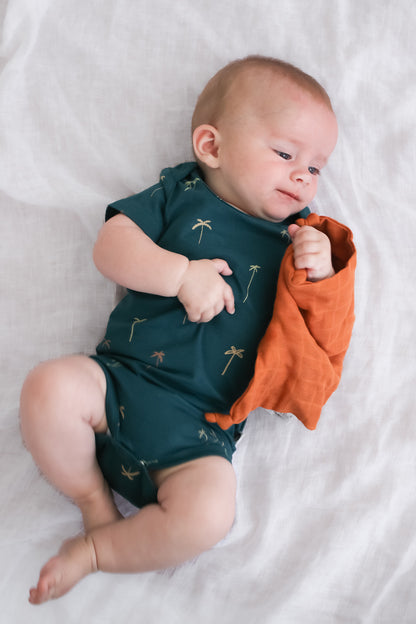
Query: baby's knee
[217, 522]
[200, 527]
[38, 385]
[42, 393]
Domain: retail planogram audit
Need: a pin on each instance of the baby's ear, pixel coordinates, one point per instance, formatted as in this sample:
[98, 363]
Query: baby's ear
[205, 139]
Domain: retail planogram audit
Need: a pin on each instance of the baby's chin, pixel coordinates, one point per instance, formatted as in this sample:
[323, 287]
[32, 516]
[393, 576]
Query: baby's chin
[279, 214]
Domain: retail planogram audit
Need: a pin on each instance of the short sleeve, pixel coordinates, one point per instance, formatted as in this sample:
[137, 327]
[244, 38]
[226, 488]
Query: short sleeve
[146, 209]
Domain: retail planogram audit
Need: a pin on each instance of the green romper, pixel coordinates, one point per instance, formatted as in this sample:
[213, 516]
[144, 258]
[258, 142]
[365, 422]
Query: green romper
[164, 372]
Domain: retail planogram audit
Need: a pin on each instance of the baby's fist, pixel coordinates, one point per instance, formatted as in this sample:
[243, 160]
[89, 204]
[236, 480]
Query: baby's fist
[312, 251]
[203, 292]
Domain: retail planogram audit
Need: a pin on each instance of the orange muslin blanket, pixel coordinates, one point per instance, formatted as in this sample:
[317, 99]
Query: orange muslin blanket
[300, 357]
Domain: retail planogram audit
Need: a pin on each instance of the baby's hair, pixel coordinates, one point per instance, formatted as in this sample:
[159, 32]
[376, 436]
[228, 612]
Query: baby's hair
[211, 101]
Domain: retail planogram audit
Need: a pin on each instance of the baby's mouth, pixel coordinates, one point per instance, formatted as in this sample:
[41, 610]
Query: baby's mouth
[289, 194]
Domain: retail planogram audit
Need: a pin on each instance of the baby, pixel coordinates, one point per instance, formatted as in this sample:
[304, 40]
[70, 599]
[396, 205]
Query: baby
[199, 253]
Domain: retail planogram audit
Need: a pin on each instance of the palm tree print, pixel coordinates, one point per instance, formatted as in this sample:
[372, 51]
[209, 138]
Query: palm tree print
[203, 435]
[191, 184]
[201, 224]
[159, 355]
[106, 343]
[128, 473]
[233, 352]
[159, 188]
[285, 235]
[254, 268]
[113, 363]
[135, 321]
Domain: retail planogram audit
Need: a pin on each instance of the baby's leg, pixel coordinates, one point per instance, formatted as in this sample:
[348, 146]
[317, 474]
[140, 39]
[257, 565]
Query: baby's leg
[195, 510]
[62, 405]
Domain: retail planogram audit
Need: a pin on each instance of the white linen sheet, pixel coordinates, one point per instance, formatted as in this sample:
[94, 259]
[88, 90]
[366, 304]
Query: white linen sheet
[95, 98]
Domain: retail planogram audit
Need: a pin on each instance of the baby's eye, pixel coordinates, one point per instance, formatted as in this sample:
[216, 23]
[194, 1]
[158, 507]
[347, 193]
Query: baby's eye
[314, 171]
[283, 155]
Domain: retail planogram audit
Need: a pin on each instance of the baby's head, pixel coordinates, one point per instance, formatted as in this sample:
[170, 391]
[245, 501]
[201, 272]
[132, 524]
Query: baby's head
[262, 131]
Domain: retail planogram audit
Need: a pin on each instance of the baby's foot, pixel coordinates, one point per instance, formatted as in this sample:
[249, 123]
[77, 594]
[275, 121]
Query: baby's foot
[98, 509]
[75, 560]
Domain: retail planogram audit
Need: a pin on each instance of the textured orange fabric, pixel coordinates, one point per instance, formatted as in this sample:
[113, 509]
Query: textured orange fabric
[299, 360]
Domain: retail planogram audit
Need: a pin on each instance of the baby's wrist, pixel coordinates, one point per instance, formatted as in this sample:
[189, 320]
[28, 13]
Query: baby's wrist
[182, 273]
[166, 273]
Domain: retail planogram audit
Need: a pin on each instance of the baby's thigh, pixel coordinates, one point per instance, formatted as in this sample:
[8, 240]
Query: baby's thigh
[69, 385]
[201, 494]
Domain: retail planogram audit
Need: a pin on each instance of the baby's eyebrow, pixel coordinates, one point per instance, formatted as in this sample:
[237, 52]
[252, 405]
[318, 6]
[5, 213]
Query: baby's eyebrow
[321, 160]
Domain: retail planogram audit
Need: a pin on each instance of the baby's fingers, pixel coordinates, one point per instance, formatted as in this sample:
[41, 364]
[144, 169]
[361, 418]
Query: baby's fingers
[229, 303]
[312, 251]
[293, 229]
[222, 266]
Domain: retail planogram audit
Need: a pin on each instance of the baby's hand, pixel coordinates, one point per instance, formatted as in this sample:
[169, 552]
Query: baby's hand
[203, 292]
[312, 251]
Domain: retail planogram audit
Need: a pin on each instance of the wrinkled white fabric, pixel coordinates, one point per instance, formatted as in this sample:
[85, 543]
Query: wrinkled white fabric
[95, 98]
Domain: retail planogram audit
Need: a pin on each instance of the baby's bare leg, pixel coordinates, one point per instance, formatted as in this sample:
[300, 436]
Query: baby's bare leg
[62, 405]
[195, 510]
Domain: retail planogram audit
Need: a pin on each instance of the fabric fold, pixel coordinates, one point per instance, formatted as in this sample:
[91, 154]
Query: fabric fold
[300, 357]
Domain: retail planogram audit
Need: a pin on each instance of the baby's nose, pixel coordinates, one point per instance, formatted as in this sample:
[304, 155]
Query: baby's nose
[301, 175]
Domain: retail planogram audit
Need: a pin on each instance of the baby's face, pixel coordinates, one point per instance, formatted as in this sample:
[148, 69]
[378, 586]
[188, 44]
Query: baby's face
[271, 152]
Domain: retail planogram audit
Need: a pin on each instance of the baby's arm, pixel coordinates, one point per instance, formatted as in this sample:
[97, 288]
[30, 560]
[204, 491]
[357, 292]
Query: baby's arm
[127, 256]
[312, 251]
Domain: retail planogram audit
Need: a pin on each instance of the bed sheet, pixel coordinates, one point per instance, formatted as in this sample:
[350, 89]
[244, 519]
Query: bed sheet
[95, 98]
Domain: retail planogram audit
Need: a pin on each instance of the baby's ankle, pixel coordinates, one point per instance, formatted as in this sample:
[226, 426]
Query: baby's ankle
[98, 508]
[93, 555]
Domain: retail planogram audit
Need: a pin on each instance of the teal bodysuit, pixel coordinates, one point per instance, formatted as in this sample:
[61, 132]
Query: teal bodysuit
[164, 372]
